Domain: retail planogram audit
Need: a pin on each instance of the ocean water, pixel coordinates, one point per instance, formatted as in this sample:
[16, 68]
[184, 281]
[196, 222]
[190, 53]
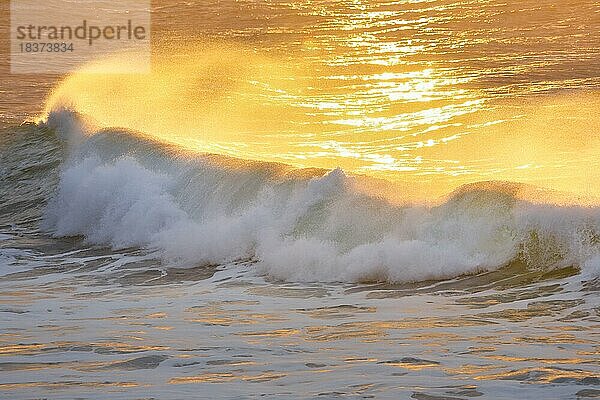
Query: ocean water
[324, 199]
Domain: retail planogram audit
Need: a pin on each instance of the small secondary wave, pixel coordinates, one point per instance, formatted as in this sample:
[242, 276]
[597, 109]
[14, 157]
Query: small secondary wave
[121, 189]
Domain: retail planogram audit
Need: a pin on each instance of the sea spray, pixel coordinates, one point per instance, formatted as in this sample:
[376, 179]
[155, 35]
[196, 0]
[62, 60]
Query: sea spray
[120, 189]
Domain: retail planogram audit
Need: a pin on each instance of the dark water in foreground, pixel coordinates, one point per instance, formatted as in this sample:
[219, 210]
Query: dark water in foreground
[94, 324]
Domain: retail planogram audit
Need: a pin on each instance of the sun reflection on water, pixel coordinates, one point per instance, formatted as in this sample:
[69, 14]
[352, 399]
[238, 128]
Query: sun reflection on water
[411, 91]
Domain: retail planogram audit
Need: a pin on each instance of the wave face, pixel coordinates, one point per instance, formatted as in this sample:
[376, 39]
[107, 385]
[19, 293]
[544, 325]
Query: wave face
[120, 189]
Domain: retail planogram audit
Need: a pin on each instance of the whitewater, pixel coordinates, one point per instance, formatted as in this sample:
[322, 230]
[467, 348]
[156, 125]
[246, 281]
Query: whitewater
[122, 189]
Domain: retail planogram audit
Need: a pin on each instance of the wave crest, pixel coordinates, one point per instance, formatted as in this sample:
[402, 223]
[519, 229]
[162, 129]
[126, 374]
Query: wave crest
[122, 190]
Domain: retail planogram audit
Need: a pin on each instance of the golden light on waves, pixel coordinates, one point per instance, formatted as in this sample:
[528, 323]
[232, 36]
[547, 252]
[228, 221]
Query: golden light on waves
[421, 126]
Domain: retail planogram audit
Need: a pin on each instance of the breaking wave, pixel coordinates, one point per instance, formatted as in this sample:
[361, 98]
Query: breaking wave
[122, 189]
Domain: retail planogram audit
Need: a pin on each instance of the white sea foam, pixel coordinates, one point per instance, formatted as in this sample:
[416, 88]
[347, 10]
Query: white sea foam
[120, 190]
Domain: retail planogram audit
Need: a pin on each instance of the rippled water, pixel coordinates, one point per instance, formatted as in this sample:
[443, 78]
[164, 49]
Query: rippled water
[88, 324]
[434, 93]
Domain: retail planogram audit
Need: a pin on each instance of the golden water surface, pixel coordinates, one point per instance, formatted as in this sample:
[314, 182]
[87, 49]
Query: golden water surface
[430, 93]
